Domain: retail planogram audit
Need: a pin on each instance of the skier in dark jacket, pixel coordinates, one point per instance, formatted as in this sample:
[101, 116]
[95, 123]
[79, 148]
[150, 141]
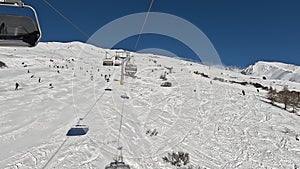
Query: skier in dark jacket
[17, 86]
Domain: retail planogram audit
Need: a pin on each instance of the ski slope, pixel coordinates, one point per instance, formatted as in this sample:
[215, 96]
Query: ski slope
[211, 120]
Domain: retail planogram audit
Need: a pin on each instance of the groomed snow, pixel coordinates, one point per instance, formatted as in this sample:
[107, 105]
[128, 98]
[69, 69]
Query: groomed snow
[213, 122]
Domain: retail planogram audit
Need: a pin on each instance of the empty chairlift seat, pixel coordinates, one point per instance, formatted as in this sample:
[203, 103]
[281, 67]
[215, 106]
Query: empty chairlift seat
[108, 89]
[121, 54]
[78, 130]
[18, 30]
[117, 165]
[117, 62]
[124, 96]
[108, 62]
[130, 69]
[166, 84]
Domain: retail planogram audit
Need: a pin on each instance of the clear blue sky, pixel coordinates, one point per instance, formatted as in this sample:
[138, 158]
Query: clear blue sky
[242, 31]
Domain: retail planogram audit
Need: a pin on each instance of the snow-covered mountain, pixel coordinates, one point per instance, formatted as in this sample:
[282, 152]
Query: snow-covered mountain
[274, 70]
[203, 113]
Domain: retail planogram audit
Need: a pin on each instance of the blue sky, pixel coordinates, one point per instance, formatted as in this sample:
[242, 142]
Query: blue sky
[242, 32]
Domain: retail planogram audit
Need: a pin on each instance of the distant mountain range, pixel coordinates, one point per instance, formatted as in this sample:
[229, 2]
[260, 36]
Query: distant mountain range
[274, 70]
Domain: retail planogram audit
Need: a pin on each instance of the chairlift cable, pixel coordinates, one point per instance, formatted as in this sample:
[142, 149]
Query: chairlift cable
[120, 128]
[56, 152]
[142, 29]
[93, 106]
[67, 19]
[72, 23]
[86, 35]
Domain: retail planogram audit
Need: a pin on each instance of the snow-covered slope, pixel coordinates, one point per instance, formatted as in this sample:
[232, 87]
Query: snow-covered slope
[274, 70]
[209, 119]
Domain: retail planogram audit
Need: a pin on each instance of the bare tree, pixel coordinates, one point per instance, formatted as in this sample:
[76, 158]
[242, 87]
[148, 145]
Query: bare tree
[177, 159]
[294, 100]
[283, 96]
[288, 98]
[272, 95]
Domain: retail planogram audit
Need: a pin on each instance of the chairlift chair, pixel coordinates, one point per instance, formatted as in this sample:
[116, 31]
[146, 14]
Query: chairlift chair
[117, 165]
[108, 89]
[78, 130]
[108, 62]
[166, 84]
[130, 69]
[121, 55]
[117, 62]
[18, 30]
[124, 96]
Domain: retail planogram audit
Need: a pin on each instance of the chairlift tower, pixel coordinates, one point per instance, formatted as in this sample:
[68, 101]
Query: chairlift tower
[108, 61]
[122, 72]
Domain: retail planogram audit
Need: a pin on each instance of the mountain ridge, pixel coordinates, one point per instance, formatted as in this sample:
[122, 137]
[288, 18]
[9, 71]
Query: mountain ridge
[274, 70]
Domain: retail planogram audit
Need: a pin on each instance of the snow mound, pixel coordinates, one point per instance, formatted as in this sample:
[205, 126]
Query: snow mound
[274, 70]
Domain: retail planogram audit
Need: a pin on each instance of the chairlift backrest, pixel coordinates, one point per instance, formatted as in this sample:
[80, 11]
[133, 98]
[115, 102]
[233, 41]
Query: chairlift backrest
[18, 30]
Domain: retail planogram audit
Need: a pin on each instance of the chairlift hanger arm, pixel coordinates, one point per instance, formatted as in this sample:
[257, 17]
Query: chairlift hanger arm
[37, 20]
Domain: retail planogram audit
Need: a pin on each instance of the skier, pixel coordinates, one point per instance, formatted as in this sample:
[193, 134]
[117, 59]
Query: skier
[3, 29]
[243, 92]
[51, 86]
[17, 86]
[40, 79]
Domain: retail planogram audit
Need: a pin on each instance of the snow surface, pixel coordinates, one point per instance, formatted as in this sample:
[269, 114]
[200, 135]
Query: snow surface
[212, 122]
[274, 70]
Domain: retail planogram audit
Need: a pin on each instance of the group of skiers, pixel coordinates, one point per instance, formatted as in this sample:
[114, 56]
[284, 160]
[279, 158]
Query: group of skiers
[17, 85]
[107, 77]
